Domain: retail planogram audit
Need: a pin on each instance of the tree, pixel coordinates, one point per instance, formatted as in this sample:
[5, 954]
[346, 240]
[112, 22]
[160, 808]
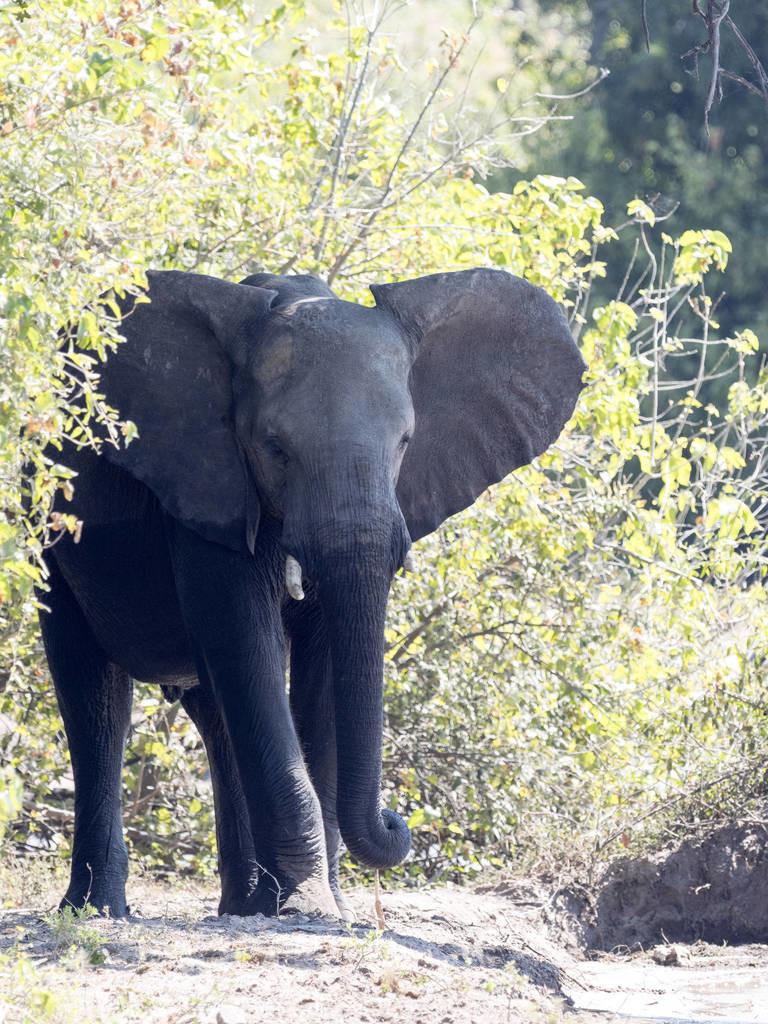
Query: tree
[641, 132]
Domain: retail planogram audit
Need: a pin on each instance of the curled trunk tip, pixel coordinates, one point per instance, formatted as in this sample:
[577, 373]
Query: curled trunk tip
[381, 844]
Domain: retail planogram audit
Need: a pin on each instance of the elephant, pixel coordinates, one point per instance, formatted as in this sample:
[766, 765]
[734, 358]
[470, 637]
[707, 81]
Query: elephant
[291, 447]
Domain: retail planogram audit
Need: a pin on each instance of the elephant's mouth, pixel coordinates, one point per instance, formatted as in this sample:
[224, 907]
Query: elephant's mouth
[294, 574]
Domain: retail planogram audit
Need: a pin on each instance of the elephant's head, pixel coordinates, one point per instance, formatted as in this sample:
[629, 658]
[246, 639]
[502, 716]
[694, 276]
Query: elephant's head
[359, 429]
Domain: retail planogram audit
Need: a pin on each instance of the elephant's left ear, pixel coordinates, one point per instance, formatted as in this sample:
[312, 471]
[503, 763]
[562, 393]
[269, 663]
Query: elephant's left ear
[495, 377]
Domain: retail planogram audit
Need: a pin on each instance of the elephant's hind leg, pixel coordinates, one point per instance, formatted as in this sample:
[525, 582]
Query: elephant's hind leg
[94, 698]
[238, 864]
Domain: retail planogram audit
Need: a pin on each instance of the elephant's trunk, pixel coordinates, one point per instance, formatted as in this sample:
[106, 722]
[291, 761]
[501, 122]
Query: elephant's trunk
[354, 593]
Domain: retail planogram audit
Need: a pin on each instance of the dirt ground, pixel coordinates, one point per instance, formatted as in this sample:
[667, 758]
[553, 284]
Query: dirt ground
[713, 887]
[447, 956]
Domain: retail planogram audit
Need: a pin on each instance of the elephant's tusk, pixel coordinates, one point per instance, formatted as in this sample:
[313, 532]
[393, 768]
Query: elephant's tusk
[409, 563]
[293, 579]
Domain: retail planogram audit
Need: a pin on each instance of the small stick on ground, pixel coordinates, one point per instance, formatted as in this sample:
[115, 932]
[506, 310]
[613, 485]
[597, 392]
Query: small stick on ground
[381, 922]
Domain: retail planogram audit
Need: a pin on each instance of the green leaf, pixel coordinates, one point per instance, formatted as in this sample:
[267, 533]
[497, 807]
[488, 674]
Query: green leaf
[157, 48]
[641, 211]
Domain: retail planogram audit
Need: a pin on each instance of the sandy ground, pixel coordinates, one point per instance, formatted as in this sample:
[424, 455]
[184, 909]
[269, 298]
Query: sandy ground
[447, 956]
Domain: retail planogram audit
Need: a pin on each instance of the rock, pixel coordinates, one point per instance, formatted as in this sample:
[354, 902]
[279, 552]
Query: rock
[670, 956]
[230, 1014]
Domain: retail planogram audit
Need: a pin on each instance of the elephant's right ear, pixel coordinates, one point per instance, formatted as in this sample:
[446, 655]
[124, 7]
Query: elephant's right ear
[173, 377]
[494, 379]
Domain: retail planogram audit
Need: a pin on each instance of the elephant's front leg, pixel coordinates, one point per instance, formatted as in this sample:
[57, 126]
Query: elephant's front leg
[311, 696]
[231, 604]
[312, 707]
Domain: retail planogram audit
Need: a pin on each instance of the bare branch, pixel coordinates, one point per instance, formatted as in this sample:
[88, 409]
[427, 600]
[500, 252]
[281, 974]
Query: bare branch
[603, 74]
[714, 14]
[646, 30]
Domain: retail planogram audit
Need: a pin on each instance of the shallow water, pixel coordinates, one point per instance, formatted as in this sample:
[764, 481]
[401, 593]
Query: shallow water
[717, 986]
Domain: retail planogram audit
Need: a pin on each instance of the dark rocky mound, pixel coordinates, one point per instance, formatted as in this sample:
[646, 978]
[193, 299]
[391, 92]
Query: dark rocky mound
[715, 889]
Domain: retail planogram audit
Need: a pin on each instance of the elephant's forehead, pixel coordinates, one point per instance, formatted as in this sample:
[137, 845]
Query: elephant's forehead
[327, 335]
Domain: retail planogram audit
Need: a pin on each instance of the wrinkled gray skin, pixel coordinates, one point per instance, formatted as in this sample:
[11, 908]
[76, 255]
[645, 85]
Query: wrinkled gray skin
[277, 420]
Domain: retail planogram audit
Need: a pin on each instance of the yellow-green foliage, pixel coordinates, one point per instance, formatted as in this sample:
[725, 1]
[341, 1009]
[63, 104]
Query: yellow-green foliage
[569, 648]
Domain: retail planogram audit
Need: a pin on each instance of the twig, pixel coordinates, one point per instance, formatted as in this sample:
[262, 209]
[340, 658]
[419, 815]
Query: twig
[381, 922]
[664, 804]
[602, 75]
[644, 16]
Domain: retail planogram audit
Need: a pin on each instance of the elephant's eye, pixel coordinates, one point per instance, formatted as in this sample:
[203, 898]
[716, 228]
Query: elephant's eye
[404, 442]
[273, 449]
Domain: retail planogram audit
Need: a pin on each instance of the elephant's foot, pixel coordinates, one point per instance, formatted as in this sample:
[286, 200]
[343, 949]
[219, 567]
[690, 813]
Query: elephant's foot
[238, 888]
[106, 895]
[272, 896]
[235, 903]
[343, 909]
[312, 897]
